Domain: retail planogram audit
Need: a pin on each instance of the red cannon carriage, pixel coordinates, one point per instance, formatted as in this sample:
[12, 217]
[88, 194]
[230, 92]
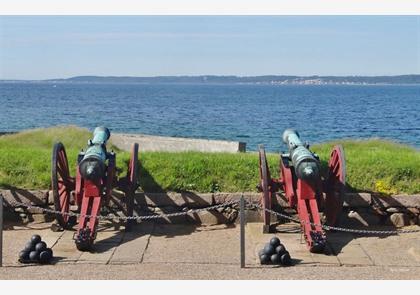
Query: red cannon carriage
[304, 187]
[92, 187]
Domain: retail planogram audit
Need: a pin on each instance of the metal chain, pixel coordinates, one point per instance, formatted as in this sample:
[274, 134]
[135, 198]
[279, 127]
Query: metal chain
[192, 211]
[342, 229]
[113, 217]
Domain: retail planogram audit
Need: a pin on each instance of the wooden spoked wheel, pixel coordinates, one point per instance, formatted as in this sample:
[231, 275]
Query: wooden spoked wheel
[62, 184]
[287, 184]
[132, 181]
[265, 187]
[335, 185]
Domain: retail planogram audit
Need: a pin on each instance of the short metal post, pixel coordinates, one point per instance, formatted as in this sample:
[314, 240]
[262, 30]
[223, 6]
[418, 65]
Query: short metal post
[1, 230]
[242, 232]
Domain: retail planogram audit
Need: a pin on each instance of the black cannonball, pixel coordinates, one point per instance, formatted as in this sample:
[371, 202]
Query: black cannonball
[285, 259]
[269, 249]
[34, 256]
[23, 256]
[35, 239]
[264, 259]
[261, 252]
[45, 256]
[41, 246]
[29, 246]
[49, 250]
[275, 241]
[280, 249]
[275, 258]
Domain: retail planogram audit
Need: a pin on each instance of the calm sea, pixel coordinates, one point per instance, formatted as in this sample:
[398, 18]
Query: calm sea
[253, 114]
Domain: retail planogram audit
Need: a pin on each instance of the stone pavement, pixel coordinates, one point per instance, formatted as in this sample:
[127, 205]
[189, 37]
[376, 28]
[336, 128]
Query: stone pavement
[150, 247]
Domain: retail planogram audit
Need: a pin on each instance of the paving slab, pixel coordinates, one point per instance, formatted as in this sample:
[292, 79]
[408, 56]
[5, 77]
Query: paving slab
[415, 252]
[94, 257]
[327, 258]
[51, 238]
[65, 249]
[190, 244]
[396, 250]
[353, 254]
[347, 249]
[133, 245]
[109, 236]
[340, 237]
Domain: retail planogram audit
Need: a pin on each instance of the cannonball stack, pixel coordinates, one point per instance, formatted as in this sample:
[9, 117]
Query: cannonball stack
[36, 251]
[274, 252]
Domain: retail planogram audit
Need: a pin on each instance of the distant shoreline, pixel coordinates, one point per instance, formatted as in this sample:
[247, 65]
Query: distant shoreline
[203, 84]
[235, 80]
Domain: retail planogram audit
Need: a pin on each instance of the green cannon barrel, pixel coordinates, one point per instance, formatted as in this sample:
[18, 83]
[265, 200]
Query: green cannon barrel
[307, 166]
[92, 166]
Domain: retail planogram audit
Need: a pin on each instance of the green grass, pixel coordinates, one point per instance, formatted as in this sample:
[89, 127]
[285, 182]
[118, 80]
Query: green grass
[25, 158]
[202, 172]
[378, 165]
[372, 165]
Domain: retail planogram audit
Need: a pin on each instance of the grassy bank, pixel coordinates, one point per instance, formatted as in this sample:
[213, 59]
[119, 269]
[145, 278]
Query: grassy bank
[373, 165]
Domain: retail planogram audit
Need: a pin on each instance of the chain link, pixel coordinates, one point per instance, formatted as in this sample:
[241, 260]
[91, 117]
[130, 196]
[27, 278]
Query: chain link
[113, 217]
[342, 229]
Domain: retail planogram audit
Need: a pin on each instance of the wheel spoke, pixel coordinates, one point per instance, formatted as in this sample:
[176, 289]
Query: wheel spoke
[63, 172]
[64, 200]
[63, 160]
[61, 190]
[60, 171]
[336, 168]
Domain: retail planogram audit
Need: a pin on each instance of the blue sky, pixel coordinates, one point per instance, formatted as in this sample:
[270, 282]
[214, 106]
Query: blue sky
[41, 47]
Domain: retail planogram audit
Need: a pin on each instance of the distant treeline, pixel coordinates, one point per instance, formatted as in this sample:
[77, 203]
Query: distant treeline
[268, 79]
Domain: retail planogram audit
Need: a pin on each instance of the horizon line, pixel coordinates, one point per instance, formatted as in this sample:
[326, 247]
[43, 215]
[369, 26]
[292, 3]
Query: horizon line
[210, 75]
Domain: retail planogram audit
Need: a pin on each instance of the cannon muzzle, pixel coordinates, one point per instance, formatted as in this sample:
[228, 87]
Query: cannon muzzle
[92, 166]
[307, 166]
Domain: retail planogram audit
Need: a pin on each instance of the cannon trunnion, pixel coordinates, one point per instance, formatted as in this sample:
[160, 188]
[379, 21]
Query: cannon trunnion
[304, 187]
[92, 186]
